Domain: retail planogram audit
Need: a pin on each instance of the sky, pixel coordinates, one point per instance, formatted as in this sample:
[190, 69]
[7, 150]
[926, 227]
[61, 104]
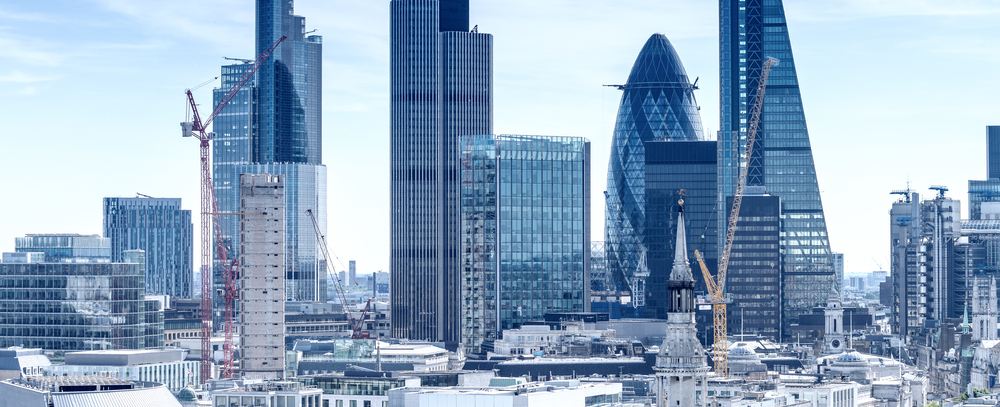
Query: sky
[896, 93]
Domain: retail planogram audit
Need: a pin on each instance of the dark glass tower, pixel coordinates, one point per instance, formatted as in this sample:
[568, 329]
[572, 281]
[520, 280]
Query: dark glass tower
[754, 275]
[274, 124]
[441, 88]
[678, 170]
[987, 190]
[749, 32]
[657, 104]
[164, 231]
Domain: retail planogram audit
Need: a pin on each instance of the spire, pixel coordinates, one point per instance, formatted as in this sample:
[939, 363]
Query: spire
[682, 267]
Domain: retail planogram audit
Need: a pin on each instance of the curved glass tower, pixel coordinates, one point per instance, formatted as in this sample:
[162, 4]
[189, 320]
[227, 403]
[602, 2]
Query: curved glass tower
[657, 104]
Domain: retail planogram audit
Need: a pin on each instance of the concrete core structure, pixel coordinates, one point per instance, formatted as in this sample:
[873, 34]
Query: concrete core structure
[262, 276]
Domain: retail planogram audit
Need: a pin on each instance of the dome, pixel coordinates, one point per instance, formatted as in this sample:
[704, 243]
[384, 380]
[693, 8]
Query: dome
[849, 357]
[186, 394]
[741, 349]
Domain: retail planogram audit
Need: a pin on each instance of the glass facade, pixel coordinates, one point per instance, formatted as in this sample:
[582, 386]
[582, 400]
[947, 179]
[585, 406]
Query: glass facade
[749, 32]
[274, 125]
[754, 275]
[164, 231]
[676, 170]
[78, 306]
[66, 247]
[441, 88]
[987, 190]
[525, 232]
[657, 104]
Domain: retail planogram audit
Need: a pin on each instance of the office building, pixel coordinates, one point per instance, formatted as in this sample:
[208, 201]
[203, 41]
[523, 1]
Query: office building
[754, 277]
[565, 393]
[657, 104]
[66, 247]
[77, 306]
[352, 273]
[599, 279]
[164, 231]
[274, 125]
[84, 391]
[782, 161]
[525, 232]
[675, 171]
[262, 276]
[358, 388]
[987, 190]
[17, 362]
[166, 366]
[269, 394]
[838, 269]
[23, 257]
[441, 88]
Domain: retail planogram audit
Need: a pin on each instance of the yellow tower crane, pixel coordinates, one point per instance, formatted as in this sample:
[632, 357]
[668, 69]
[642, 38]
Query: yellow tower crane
[717, 286]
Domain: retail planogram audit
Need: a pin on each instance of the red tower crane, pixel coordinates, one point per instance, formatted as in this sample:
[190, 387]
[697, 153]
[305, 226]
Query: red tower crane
[210, 221]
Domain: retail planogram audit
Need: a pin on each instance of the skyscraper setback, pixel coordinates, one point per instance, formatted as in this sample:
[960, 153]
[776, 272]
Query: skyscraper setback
[782, 158]
[441, 88]
[274, 125]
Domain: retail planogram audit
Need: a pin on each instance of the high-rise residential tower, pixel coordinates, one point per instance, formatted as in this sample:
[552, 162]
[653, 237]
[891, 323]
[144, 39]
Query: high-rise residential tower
[441, 88]
[274, 126]
[657, 104]
[782, 161]
[164, 231]
[525, 232]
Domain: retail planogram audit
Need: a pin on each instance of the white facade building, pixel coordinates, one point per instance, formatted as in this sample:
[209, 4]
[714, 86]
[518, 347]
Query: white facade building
[166, 367]
[561, 393]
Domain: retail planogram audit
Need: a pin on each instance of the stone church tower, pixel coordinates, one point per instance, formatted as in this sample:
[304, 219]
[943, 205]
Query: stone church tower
[984, 309]
[681, 364]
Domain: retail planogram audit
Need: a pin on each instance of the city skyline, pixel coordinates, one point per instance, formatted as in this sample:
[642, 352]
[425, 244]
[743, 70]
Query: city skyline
[883, 111]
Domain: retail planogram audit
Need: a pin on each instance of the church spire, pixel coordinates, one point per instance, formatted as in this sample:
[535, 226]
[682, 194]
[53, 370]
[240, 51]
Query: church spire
[682, 266]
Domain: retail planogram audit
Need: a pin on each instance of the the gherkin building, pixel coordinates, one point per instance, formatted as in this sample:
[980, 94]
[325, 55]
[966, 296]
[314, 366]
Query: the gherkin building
[657, 104]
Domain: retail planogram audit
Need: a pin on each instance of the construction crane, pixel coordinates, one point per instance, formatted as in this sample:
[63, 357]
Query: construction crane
[717, 286]
[357, 325]
[210, 221]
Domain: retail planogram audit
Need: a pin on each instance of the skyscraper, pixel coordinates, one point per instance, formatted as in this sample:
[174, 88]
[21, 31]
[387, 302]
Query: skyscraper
[782, 161]
[164, 231]
[525, 232]
[441, 88]
[987, 190]
[657, 104]
[274, 125]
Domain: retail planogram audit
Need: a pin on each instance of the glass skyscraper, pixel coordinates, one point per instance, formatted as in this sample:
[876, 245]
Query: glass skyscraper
[274, 125]
[749, 32]
[163, 230]
[525, 232]
[77, 306]
[754, 275]
[657, 104]
[987, 190]
[678, 170]
[441, 88]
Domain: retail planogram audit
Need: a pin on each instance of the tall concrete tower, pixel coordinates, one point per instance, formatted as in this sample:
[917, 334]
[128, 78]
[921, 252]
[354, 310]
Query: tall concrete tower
[681, 364]
[984, 323]
[262, 276]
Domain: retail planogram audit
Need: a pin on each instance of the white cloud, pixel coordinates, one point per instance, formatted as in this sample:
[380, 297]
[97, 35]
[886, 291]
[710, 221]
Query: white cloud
[21, 77]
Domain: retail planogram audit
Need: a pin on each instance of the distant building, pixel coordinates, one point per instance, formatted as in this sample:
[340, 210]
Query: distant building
[66, 247]
[163, 230]
[380, 287]
[320, 357]
[599, 268]
[262, 276]
[987, 190]
[838, 269]
[352, 274]
[565, 393]
[341, 389]
[25, 257]
[77, 306]
[166, 367]
[83, 391]
[525, 232]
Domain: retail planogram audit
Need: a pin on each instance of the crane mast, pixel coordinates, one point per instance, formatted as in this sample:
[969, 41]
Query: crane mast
[717, 286]
[210, 223]
[357, 325]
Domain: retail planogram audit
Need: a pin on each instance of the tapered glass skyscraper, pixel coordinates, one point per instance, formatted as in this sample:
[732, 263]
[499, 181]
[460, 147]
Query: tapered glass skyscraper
[441, 88]
[657, 104]
[782, 161]
[274, 124]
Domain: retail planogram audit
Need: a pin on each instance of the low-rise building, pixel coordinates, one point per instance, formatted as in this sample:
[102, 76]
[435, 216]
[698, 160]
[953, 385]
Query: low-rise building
[18, 362]
[358, 388]
[167, 367]
[339, 355]
[83, 391]
[269, 394]
[562, 393]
